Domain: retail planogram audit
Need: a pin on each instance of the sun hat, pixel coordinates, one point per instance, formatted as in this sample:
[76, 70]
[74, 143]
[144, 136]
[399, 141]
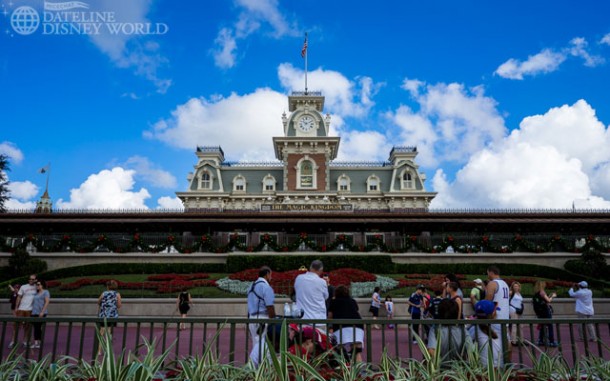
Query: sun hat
[583, 284]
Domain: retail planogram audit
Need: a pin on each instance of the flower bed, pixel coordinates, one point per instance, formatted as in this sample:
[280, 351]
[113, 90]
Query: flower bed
[361, 282]
[162, 283]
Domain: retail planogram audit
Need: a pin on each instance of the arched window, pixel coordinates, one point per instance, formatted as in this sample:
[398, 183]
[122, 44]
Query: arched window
[343, 183]
[407, 180]
[306, 173]
[269, 184]
[373, 184]
[206, 180]
[239, 184]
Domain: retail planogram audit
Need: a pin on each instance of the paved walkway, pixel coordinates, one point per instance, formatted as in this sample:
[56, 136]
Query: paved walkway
[230, 343]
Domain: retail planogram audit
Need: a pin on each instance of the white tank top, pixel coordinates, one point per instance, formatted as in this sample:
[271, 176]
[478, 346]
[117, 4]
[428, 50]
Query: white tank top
[501, 298]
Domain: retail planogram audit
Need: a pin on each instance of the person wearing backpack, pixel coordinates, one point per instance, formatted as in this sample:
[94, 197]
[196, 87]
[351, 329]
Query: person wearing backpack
[261, 305]
[477, 293]
[516, 310]
[544, 310]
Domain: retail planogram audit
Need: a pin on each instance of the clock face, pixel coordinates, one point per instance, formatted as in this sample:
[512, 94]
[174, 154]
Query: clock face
[306, 123]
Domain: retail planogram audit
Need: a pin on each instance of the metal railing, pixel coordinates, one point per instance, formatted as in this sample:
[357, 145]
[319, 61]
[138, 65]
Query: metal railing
[230, 341]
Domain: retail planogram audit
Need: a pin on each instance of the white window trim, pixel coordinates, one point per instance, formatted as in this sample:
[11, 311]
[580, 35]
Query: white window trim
[235, 181]
[314, 181]
[211, 180]
[368, 184]
[269, 177]
[349, 184]
[407, 184]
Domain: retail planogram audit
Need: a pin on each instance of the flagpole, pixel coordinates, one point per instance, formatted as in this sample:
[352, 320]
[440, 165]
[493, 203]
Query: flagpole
[307, 48]
[48, 175]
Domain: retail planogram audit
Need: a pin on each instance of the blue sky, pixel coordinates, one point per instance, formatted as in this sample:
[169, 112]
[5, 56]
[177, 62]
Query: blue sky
[506, 101]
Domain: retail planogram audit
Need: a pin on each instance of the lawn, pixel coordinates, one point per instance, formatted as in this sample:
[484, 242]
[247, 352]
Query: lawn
[93, 291]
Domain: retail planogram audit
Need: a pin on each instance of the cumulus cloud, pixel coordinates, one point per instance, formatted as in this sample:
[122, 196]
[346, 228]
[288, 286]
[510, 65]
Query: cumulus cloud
[22, 190]
[547, 61]
[606, 39]
[242, 124]
[254, 15]
[108, 189]
[343, 96]
[578, 48]
[12, 151]
[363, 146]
[131, 51]
[170, 203]
[451, 122]
[544, 62]
[21, 194]
[549, 162]
[149, 172]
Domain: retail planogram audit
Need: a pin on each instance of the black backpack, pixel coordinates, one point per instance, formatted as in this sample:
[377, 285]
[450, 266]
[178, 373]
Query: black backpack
[433, 308]
[541, 309]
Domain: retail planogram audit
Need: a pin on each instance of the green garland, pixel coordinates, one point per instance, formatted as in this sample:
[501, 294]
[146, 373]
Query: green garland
[267, 242]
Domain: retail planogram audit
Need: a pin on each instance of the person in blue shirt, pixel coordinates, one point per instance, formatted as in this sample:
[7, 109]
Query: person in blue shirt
[261, 299]
[416, 306]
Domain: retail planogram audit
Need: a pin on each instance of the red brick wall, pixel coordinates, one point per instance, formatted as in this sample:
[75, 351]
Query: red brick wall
[319, 159]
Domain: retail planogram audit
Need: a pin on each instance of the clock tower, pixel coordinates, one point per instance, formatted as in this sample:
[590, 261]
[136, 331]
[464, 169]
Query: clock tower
[306, 149]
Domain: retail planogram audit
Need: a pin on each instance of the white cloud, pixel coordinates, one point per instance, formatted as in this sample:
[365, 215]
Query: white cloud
[224, 56]
[578, 48]
[223, 121]
[363, 146]
[549, 162]
[451, 123]
[412, 86]
[131, 51]
[606, 39]
[548, 61]
[13, 204]
[344, 97]
[148, 172]
[12, 151]
[108, 189]
[242, 124]
[254, 15]
[21, 194]
[23, 190]
[170, 203]
[544, 62]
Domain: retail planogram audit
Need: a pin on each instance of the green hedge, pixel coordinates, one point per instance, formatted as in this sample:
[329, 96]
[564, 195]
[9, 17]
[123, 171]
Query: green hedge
[381, 264]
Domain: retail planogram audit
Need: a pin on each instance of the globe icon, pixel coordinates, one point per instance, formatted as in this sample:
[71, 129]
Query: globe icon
[25, 20]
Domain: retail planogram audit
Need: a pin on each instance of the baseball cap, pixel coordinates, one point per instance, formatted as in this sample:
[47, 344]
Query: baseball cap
[421, 287]
[485, 307]
[478, 281]
[583, 284]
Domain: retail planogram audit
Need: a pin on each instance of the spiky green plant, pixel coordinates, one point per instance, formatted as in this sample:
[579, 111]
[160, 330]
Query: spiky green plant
[124, 367]
[45, 370]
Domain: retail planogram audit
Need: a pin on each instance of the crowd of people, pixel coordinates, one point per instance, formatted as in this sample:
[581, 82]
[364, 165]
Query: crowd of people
[316, 299]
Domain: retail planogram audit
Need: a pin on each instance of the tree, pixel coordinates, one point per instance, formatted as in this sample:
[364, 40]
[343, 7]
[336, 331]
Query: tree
[4, 191]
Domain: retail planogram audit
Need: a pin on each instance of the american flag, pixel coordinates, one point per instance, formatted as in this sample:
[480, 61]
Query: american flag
[304, 50]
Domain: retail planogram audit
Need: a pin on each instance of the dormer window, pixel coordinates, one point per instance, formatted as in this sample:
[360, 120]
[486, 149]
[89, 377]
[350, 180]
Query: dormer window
[269, 184]
[373, 184]
[239, 184]
[206, 180]
[343, 183]
[407, 180]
